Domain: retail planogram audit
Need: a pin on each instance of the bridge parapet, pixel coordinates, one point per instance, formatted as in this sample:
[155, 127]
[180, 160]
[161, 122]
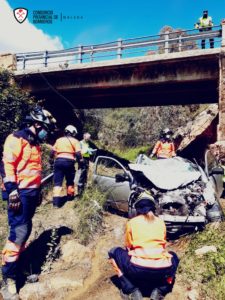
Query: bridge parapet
[167, 42]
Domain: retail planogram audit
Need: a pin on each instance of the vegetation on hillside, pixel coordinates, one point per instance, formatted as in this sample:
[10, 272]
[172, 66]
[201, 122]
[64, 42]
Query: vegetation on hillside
[132, 153]
[15, 103]
[207, 272]
[122, 129]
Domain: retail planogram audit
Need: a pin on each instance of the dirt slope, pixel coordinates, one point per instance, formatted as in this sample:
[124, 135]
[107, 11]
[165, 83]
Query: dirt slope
[71, 271]
[79, 272]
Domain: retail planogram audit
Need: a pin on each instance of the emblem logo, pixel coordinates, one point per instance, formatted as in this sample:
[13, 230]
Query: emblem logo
[20, 14]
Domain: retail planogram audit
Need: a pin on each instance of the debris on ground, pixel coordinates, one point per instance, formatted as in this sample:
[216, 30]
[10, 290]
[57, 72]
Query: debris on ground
[205, 249]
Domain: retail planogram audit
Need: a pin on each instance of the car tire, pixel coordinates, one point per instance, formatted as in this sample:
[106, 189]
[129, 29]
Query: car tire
[215, 213]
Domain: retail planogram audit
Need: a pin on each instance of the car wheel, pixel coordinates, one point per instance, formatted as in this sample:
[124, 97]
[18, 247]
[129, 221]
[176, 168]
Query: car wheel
[215, 213]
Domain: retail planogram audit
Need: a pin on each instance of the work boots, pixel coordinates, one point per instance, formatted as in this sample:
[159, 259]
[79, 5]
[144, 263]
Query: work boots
[136, 295]
[156, 295]
[8, 290]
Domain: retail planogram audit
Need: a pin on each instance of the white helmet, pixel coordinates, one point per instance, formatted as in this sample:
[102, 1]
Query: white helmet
[145, 199]
[71, 130]
[167, 131]
[87, 136]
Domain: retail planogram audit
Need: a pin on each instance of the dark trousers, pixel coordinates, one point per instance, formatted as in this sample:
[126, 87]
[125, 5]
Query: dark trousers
[211, 42]
[134, 275]
[83, 173]
[5, 195]
[20, 226]
[63, 167]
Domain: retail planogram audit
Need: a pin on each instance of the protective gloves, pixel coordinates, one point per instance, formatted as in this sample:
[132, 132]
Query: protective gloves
[14, 200]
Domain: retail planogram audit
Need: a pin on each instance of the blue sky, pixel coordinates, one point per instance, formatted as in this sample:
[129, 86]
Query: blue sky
[107, 21]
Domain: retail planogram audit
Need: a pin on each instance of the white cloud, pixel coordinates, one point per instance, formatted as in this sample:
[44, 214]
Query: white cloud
[15, 37]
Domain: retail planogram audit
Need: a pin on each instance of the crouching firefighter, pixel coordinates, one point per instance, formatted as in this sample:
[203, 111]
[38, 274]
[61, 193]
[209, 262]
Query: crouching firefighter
[22, 179]
[66, 149]
[145, 259]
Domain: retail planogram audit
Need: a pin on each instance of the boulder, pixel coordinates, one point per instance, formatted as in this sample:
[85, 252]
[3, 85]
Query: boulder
[205, 249]
[195, 128]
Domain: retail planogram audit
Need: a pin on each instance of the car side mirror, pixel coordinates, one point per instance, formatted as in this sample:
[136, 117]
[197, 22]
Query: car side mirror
[122, 177]
[217, 171]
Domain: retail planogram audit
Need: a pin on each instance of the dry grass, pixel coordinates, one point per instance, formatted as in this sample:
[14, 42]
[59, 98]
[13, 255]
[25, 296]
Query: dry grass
[90, 208]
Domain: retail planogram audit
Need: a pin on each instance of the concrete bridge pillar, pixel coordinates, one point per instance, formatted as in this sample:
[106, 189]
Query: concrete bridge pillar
[221, 126]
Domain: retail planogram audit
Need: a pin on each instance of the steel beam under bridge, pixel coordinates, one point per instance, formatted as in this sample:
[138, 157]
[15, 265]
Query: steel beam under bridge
[176, 78]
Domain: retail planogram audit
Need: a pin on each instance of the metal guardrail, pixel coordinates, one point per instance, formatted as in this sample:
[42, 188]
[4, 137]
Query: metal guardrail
[164, 43]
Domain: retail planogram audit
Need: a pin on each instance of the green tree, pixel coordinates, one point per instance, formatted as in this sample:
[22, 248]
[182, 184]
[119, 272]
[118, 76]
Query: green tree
[14, 105]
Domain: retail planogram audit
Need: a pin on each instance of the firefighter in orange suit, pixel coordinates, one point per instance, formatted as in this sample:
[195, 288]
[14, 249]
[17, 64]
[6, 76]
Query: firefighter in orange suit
[66, 149]
[145, 259]
[164, 148]
[22, 179]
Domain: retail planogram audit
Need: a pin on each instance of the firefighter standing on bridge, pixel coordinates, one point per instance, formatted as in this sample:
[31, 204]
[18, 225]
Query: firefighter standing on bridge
[22, 180]
[204, 24]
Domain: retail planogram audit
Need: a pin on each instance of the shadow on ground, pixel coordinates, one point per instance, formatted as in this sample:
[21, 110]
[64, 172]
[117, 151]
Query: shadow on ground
[145, 287]
[45, 247]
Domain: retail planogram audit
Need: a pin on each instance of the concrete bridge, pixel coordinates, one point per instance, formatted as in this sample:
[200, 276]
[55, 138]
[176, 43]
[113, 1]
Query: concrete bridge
[183, 77]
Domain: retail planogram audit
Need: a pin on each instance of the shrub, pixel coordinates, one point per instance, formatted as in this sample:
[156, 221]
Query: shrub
[15, 104]
[208, 270]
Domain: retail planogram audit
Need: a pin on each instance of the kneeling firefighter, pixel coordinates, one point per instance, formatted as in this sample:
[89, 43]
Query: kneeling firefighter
[145, 259]
[66, 149]
[22, 179]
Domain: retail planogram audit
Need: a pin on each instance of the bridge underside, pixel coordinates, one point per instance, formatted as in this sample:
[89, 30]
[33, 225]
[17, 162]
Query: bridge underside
[147, 95]
[143, 95]
[175, 79]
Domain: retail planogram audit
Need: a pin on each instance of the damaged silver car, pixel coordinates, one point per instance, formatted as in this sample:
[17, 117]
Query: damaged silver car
[186, 195]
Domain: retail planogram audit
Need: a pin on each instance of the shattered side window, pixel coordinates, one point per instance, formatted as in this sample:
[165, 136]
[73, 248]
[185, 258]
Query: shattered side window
[109, 168]
[190, 165]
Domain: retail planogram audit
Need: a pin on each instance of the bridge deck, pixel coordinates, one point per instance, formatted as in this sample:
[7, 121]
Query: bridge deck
[126, 61]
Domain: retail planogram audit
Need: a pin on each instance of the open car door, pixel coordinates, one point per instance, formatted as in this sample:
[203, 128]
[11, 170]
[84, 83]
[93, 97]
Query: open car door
[214, 172]
[105, 170]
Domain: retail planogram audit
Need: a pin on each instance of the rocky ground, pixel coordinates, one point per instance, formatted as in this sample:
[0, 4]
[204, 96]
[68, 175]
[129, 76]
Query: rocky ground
[81, 272]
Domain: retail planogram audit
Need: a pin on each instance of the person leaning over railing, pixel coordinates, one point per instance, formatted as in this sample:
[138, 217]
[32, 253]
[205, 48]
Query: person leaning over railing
[205, 23]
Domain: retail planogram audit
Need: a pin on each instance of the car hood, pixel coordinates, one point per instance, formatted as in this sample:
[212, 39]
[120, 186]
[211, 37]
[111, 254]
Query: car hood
[168, 174]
